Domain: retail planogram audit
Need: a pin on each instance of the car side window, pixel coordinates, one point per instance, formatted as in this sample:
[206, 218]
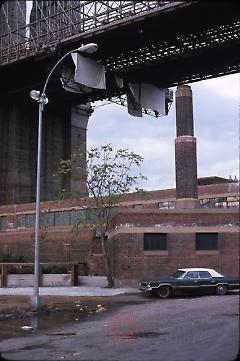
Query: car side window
[204, 274]
[191, 275]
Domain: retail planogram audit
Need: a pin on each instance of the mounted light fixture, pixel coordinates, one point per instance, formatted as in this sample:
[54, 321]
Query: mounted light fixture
[35, 94]
[88, 48]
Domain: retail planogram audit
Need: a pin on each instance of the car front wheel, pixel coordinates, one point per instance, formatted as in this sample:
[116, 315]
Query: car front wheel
[164, 292]
[221, 290]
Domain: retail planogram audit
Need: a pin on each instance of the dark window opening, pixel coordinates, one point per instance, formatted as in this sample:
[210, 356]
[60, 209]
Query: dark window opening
[155, 241]
[206, 241]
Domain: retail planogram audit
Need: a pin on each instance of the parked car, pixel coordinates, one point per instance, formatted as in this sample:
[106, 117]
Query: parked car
[190, 281]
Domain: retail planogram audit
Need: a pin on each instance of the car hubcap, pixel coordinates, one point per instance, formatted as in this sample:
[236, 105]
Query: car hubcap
[164, 292]
[221, 290]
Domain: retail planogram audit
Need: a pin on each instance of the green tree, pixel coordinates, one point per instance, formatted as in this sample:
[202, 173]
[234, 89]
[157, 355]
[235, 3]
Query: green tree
[110, 174]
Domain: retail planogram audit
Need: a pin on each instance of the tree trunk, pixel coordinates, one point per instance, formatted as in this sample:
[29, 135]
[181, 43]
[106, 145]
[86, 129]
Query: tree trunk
[107, 263]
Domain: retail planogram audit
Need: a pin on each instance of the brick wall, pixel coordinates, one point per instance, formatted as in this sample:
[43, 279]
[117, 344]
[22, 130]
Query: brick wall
[154, 218]
[130, 262]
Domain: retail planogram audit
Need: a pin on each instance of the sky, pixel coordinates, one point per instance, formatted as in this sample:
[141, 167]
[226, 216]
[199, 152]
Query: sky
[216, 111]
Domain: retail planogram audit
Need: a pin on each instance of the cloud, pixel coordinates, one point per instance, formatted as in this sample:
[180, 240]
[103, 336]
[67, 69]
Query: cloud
[224, 87]
[216, 121]
[217, 158]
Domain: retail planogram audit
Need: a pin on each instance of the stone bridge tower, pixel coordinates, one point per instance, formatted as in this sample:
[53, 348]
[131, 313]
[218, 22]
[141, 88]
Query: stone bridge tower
[64, 130]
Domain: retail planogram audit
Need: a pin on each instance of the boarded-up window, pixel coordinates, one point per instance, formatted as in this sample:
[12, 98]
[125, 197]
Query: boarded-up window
[155, 242]
[47, 219]
[3, 223]
[78, 216]
[92, 215]
[21, 221]
[206, 241]
[62, 218]
[30, 220]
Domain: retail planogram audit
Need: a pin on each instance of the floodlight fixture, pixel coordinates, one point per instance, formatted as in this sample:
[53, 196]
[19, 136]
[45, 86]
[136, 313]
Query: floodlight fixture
[40, 98]
[35, 94]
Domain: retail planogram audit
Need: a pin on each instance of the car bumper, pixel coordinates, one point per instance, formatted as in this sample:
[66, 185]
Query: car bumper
[145, 289]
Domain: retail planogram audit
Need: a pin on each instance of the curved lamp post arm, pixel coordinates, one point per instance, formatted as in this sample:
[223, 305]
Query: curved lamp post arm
[41, 97]
[52, 70]
[87, 48]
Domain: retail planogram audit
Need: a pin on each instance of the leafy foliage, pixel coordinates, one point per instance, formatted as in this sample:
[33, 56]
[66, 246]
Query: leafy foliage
[109, 176]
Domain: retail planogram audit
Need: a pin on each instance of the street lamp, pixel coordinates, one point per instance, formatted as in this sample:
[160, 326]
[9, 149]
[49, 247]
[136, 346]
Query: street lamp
[42, 100]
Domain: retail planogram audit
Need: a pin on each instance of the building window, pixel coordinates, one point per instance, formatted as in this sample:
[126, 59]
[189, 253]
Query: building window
[220, 202]
[206, 241]
[62, 218]
[47, 219]
[155, 242]
[21, 221]
[30, 220]
[77, 216]
[233, 202]
[137, 206]
[3, 223]
[166, 205]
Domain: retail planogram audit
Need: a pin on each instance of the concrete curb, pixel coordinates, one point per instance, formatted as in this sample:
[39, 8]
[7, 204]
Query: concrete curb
[67, 291]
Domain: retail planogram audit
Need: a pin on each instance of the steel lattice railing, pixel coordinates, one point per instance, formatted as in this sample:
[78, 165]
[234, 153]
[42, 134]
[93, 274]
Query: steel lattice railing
[53, 21]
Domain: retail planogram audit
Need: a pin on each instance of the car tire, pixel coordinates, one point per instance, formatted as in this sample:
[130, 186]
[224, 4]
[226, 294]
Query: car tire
[164, 292]
[221, 290]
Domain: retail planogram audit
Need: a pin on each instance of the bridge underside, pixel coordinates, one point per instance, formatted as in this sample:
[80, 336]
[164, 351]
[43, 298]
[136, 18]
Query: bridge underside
[183, 43]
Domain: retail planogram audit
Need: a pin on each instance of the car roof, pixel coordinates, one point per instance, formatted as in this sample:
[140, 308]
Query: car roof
[210, 270]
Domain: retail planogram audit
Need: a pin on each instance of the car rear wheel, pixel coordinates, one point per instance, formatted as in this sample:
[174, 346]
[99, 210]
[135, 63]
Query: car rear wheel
[164, 292]
[221, 290]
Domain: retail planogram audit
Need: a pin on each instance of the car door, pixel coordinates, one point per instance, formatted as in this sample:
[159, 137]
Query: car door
[207, 283]
[189, 284]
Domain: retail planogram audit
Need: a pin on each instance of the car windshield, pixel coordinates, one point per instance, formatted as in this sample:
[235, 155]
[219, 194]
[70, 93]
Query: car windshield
[178, 274]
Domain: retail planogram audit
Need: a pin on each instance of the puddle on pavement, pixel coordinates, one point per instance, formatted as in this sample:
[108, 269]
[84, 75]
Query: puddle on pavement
[13, 326]
[133, 336]
[59, 314]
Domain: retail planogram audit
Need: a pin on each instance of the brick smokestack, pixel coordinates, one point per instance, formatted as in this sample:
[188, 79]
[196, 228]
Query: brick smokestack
[185, 151]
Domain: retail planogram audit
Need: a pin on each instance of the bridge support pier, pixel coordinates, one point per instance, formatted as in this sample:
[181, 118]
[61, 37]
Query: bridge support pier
[79, 121]
[64, 132]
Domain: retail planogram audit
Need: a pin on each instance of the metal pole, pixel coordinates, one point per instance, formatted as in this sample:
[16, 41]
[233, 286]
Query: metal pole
[36, 297]
[42, 100]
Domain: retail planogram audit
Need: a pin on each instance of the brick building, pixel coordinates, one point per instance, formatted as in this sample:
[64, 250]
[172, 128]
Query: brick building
[149, 236]
[152, 234]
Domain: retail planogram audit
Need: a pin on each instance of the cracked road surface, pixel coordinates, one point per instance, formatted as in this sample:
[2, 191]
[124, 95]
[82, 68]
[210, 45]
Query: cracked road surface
[141, 328]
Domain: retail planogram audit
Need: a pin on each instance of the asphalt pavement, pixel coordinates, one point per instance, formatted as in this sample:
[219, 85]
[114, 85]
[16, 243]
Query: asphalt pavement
[178, 329]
